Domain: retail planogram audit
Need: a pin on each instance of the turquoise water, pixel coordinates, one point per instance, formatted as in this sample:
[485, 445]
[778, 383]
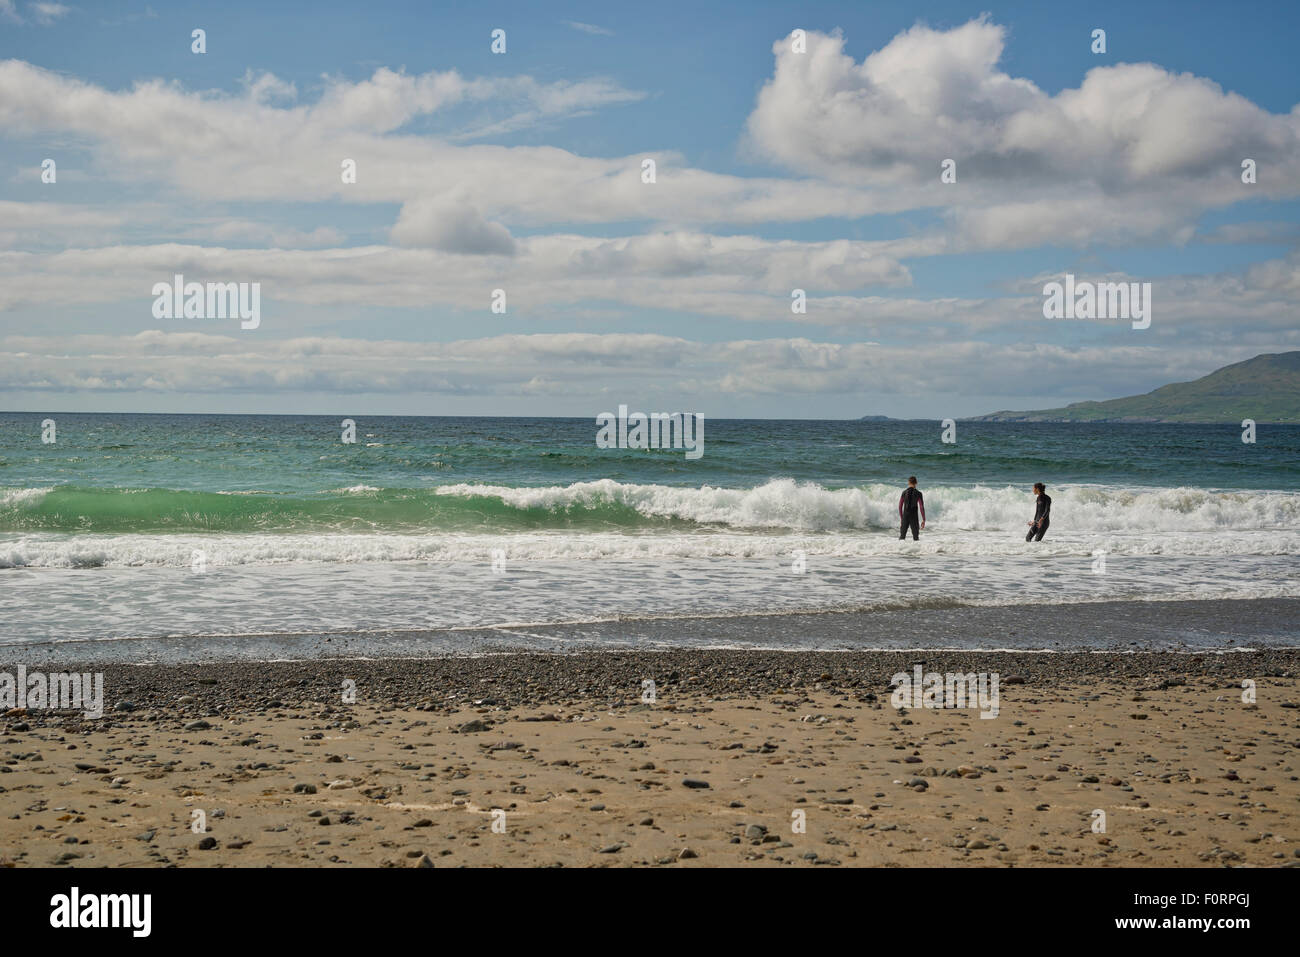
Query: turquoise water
[293, 455]
[154, 525]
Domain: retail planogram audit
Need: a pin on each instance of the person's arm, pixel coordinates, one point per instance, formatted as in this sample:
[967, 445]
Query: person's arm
[900, 504]
[920, 500]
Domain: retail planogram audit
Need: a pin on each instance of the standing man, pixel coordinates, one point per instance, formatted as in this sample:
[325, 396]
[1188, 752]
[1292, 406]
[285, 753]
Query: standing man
[1042, 514]
[908, 503]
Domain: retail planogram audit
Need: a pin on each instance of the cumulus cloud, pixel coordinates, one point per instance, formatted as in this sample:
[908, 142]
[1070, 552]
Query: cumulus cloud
[451, 225]
[1134, 152]
[684, 271]
[223, 147]
[738, 278]
[930, 94]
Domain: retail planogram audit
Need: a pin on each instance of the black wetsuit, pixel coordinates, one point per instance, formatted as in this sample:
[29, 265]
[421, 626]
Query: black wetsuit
[1042, 518]
[908, 503]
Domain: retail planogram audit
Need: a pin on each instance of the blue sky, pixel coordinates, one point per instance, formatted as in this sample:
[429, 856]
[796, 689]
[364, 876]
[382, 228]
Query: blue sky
[777, 170]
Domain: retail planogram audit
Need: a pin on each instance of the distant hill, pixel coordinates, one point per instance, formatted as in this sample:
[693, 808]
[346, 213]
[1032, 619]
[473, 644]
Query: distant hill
[1265, 388]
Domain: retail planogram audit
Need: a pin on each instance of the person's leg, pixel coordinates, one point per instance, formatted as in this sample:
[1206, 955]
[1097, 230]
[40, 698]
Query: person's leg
[916, 527]
[1042, 530]
[902, 528]
[1030, 536]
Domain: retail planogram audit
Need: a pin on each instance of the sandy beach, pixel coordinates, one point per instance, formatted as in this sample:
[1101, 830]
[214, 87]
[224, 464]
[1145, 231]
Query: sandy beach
[742, 759]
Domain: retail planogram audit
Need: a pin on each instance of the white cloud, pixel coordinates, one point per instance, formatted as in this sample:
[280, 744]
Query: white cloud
[451, 225]
[278, 237]
[929, 94]
[44, 223]
[43, 13]
[740, 278]
[46, 13]
[450, 265]
[520, 365]
[219, 147]
[589, 28]
[1135, 152]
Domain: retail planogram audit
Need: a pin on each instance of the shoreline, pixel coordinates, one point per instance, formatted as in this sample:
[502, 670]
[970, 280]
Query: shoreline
[1208, 625]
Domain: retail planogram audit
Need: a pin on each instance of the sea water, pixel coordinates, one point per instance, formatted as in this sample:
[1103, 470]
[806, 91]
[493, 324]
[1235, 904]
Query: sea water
[198, 529]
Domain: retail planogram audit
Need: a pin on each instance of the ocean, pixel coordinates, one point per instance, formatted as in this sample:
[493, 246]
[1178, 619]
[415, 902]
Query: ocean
[209, 536]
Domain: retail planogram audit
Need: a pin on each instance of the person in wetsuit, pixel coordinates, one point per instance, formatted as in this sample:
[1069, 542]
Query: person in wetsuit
[908, 503]
[1042, 514]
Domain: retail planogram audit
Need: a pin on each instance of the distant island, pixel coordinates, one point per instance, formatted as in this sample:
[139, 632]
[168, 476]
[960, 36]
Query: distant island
[1265, 388]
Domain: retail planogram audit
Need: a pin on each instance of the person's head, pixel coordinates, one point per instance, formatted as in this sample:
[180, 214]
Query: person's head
[1040, 488]
[912, 481]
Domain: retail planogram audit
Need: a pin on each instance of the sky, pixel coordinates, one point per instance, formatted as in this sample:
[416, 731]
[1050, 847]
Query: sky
[795, 147]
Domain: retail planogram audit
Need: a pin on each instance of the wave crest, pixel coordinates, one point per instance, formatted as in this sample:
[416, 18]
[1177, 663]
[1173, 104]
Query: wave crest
[779, 505]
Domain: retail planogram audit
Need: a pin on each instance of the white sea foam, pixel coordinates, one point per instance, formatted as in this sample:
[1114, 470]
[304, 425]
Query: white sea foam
[10, 497]
[770, 521]
[61, 550]
[806, 506]
[294, 598]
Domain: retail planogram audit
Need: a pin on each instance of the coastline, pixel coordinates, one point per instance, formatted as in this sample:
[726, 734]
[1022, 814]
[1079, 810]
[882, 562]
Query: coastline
[1176, 626]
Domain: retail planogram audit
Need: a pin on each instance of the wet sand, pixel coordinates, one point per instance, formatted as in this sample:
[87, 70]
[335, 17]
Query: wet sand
[1210, 625]
[743, 759]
